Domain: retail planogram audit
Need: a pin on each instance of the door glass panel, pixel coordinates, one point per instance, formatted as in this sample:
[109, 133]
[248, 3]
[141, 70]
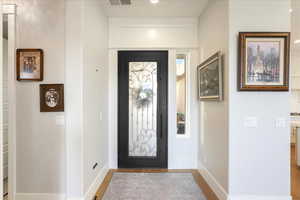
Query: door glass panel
[181, 93]
[143, 109]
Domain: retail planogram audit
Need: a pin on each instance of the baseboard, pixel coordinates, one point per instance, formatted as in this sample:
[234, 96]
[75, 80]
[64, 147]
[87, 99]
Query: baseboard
[39, 196]
[90, 194]
[223, 195]
[254, 197]
[213, 183]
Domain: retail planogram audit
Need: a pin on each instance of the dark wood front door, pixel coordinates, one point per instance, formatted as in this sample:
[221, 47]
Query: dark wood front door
[142, 109]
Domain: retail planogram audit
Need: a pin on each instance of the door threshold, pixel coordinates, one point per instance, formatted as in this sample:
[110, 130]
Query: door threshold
[154, 170]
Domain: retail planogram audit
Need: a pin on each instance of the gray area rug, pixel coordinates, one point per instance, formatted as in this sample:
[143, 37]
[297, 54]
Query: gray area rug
[153, 186]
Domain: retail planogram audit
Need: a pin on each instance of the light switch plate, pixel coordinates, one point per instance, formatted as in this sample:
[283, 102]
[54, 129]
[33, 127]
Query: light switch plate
[100, 116]
[250, 122]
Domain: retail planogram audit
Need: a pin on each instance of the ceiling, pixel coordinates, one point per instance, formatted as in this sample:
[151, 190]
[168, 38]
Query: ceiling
[165, 8]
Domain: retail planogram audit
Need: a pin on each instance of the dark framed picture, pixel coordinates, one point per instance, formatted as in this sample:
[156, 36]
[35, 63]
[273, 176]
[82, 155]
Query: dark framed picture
[263, 63]
[30, 64]
[52, 97]
[210, 79]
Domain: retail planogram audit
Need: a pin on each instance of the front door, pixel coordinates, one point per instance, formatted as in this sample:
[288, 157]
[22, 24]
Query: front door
[142, 109]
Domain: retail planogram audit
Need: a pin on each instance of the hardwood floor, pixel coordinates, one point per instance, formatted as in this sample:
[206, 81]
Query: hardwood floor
[209, 194]
[104, 185]
[295, 175]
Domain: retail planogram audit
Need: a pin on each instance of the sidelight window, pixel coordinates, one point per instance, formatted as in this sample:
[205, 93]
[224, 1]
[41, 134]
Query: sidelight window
[181, 93]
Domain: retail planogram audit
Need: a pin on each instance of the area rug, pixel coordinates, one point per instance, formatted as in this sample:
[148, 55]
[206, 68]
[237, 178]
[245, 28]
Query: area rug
[153, 186]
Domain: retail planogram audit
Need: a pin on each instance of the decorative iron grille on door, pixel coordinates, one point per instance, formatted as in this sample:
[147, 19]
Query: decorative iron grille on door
[142, 109]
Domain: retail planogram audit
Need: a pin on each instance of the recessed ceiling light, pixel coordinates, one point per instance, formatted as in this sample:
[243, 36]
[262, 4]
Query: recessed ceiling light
[297, 41]
[291, 10]
[152, 33]
[154, 1]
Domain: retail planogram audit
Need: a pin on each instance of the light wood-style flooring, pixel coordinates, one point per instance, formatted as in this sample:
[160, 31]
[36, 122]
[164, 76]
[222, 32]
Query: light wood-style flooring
[295, 175]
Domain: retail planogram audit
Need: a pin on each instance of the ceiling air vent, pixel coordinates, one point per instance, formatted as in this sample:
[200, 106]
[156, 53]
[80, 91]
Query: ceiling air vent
[120, 2]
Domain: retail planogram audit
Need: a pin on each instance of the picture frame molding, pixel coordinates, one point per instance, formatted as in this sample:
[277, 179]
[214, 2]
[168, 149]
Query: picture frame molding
[217, 56]
[242, 61]
[18, 52]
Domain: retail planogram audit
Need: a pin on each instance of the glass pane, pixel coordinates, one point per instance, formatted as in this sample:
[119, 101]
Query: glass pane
[181, 93]
[5, 104]
[142, 109]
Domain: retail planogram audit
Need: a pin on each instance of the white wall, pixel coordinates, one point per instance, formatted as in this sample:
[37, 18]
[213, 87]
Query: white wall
[86, 97]
[41, 155]
[259, 157]
[40, 141]
[73, 98]
[295, 61]
[213, 156]
[295, 101]
[95, 95]
[295, 57]
[153, 32]
[174, 35]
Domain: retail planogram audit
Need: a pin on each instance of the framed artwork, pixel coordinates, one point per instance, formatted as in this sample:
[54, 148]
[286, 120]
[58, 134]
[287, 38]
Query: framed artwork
[30, 64]
[263, 63]
[210, 78]
[52, 97]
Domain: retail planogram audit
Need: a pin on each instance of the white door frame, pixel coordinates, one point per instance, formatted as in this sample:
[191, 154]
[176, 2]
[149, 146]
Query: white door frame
[10, 11]
[173, 140]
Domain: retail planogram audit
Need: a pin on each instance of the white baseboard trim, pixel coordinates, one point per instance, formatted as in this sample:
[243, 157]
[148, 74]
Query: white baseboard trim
[213, 183]
[39, 196]
[90, 194]
[254, 197]
[223, 195]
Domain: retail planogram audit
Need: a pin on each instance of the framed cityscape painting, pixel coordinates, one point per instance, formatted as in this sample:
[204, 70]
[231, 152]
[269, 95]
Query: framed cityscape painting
[51, 97]
[210, 79]
[263, 61]
[30, 64]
